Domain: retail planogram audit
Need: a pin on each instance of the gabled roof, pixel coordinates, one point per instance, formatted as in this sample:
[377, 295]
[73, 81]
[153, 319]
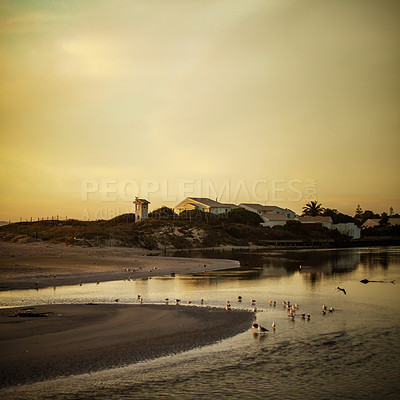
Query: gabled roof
[260, 207]
[210, 203]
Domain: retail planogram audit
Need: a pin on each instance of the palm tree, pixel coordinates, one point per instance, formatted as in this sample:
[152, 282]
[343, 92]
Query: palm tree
[313, 208]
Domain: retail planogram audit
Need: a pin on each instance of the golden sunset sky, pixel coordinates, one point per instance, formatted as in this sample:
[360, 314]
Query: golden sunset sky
[272, 101]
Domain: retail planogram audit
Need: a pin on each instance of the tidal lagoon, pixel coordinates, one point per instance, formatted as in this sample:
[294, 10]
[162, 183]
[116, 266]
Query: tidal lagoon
[350, 353]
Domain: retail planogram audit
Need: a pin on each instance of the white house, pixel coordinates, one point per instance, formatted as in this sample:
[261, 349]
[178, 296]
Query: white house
[324, 221]
[203, 204]
[349, 229]
[268, 210]
[274, 219]
[141, 209]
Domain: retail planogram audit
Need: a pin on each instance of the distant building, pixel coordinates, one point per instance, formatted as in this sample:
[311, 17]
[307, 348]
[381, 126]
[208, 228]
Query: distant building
[268, 210]
[141, 209]
[203, 204]
[370, 223]
[324, 221]
[272, 220]
[271, 215]
[349, 229]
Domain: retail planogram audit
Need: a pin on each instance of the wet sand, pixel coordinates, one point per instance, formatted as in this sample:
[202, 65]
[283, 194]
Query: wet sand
[43, 342]
[73, 339]
[40, 265]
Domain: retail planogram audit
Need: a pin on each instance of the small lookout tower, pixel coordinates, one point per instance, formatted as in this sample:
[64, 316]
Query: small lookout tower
[141, 209]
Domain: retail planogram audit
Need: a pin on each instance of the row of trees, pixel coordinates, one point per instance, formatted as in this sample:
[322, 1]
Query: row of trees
[313, 208]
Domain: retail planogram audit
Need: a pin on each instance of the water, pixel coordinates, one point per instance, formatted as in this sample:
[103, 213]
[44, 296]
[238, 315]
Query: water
[352, 353]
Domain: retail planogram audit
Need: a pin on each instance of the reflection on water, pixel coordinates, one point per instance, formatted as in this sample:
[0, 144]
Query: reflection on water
[351, 353]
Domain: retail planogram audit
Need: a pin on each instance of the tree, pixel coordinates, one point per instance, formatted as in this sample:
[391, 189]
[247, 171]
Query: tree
[162, 212]
[359, 213]
[242, 216]
[313, 209]
[337, 217]
[368, 214]
[384, 219]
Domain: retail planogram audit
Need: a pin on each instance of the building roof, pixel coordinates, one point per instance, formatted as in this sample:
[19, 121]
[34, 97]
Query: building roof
[371, 222]
[141, 201]
[260, 207]
[318, 219]
[394, 221]
[210, 203]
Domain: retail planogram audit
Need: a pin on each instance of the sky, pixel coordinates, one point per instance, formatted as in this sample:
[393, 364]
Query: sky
[266, 101]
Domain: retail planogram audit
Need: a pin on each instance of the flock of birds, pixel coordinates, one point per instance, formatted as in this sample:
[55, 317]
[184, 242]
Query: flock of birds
[256, 327]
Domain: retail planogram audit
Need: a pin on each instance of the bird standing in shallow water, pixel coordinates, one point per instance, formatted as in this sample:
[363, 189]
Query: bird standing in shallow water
[261, 329]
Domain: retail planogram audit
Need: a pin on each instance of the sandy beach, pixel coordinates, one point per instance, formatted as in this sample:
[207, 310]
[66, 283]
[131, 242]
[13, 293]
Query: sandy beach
[43, 342]
[56, 340]
[39, 265]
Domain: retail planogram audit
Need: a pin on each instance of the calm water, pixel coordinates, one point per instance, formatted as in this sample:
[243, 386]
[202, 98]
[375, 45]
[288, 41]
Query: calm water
[352, 353]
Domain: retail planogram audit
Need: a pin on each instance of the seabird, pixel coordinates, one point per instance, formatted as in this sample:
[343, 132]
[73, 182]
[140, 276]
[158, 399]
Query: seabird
[308, 317]
[239, 298]
[323, 307]
[116, 300]
[340, 289]
[255, 326]
[273, 325]
[261, 329]
[177, 301]
[254, 309]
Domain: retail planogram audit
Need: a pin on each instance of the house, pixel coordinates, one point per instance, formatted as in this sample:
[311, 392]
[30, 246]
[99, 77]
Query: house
[394, 221]
[370, 223]
[324, 221]
[204, 204]
[349, 229]
[268, 210]
[272, 220]
[141, 209]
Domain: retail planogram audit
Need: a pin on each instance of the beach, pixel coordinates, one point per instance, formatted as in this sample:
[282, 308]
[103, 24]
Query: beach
[47, 341]
[39, 265]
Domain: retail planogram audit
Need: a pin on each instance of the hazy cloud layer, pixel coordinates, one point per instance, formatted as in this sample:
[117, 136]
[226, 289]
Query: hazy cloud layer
[212, 90]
